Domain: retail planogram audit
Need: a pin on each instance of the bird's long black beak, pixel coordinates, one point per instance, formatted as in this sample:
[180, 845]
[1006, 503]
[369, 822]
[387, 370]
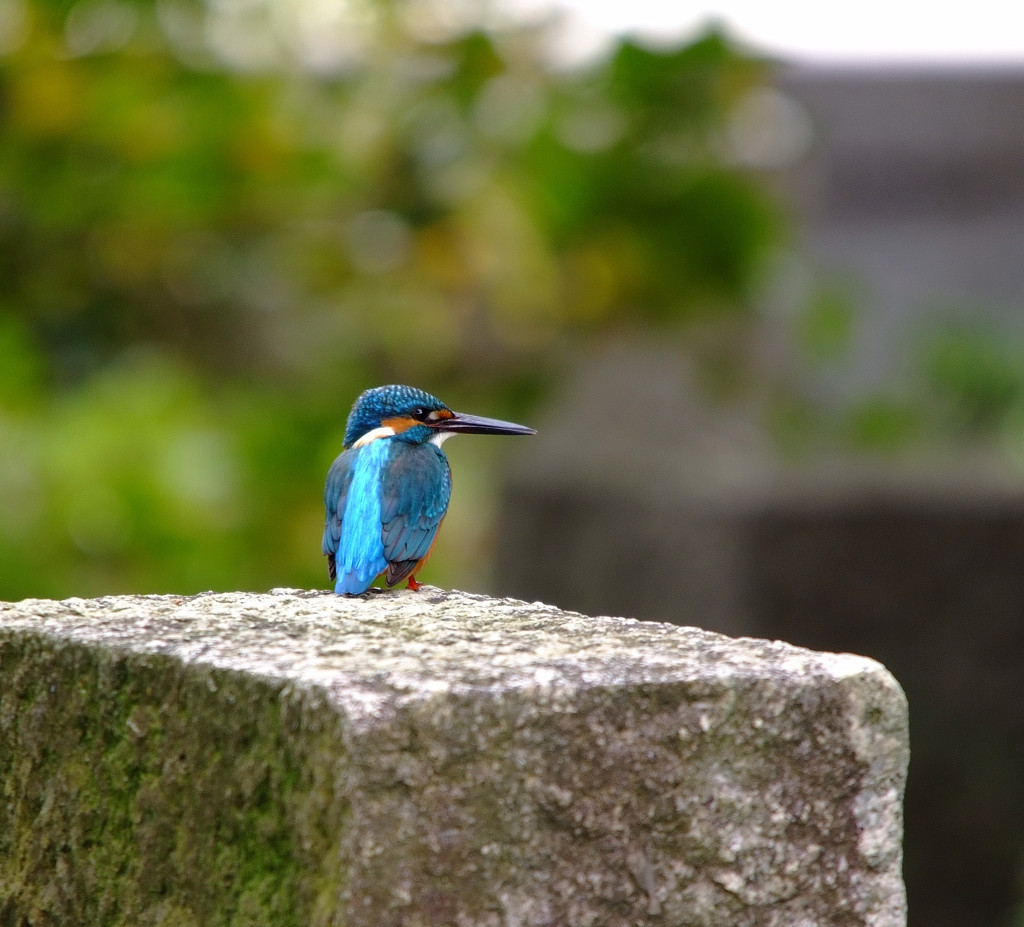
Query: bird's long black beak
[460, 423]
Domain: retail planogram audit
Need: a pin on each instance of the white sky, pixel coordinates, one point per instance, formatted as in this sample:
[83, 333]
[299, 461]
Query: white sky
[866, 32]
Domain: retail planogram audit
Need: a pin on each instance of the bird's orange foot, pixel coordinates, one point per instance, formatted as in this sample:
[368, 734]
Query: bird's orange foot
[413, 585]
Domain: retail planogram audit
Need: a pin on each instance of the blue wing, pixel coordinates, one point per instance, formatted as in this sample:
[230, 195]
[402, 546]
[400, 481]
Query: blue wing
[339, 478]
[352, 526]
[416, 486]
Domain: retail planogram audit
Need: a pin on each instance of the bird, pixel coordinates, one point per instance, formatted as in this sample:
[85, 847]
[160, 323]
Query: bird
[387, 492]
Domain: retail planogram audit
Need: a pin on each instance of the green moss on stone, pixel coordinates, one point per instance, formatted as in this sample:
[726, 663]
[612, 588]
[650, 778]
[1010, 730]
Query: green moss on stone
[131, 796]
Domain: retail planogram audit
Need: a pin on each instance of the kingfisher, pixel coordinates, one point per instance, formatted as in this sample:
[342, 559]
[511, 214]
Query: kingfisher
[387, 492]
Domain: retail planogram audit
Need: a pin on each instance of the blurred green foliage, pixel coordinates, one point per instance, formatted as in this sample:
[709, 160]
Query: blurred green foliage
[220, 222]
[959, 391]
[976, 375]
[825, 328]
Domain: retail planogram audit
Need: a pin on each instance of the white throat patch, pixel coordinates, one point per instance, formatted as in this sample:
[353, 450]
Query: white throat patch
[439, 437]
[383, 432]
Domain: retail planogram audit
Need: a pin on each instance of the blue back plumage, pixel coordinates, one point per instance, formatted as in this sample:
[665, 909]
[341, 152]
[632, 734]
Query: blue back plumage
[385, 501]
[359, 549]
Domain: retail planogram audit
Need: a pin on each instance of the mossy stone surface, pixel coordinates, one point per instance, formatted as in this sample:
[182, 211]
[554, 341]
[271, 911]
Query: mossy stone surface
[435, 758]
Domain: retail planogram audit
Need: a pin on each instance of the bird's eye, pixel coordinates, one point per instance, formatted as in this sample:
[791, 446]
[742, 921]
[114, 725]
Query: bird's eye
[419, 413]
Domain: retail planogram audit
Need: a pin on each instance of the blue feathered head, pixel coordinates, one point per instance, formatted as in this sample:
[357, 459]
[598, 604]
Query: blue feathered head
[376, 405]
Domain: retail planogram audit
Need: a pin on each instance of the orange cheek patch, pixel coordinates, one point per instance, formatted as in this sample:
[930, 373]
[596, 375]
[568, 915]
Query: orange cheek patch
[398, 425]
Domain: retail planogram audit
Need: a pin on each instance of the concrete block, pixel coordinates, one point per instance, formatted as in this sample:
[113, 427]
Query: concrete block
[436, 758]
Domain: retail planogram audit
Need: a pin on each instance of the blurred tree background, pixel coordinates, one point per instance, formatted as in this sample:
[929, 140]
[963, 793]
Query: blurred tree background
[220, 221]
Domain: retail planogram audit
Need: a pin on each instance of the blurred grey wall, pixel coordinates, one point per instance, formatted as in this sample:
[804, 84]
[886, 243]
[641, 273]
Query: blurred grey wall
[913, 192]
